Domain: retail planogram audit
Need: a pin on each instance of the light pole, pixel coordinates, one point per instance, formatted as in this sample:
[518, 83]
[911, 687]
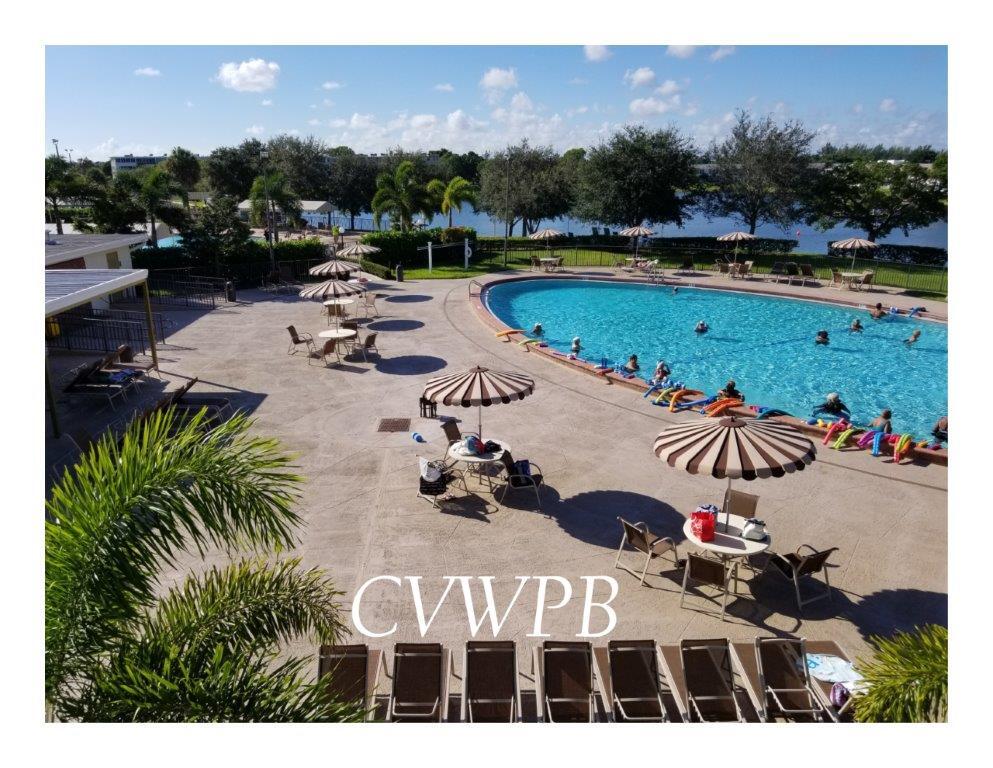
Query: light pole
[506, 227]
[69, 152]
[271, 220]
[56, 143]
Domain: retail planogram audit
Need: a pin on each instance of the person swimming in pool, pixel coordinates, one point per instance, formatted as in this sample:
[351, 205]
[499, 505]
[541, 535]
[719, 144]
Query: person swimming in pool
[856, 326]
[675, 290]
[631, 366]
[537, 330]
[883, 422]
[701, 327]
[661, 372]
[833, 406]
[731, 391]
[914, 337]
[576, 345]
[877, 312]
[822, 338]
[940, 430]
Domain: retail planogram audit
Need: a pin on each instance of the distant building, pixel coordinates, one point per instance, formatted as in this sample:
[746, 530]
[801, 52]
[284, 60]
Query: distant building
[133, 162]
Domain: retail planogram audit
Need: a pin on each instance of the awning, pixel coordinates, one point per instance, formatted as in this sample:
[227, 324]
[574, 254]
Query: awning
[68, 288]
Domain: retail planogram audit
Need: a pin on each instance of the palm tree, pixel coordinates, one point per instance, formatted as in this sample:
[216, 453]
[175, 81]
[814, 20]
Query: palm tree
[208, 649]
[60, 183]
[274, 187]
[400, 195]
[907, 680]
[185, 169]
[153, 190]
[452, 196]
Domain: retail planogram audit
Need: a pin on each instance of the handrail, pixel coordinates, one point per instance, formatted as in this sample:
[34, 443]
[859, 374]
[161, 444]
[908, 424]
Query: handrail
[481, 286]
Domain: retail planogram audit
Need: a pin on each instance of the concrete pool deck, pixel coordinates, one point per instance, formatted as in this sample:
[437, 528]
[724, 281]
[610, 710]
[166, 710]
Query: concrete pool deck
[594, 444]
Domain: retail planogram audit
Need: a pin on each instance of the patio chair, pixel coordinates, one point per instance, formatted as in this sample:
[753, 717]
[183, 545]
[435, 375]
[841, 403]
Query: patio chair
[434, 477]
[330, 348]
[629, 681]
[792, 272]
[367, 345]
[516, 478]
[823, 688]
[778, 270]
[452, 432]
[704, 571]
[420, 683]
[559, 262]
[709, 679]
[490, 688]
[863, 282]
[775, 673]
[298, 339]
[722, 267]
[837, 279]
[352, 674]
[369, 303]
[745, 270]
[807, 273]
[535, 263]
[739, 503]
[795, 566]
[641, 539]
[687, 265]
[563, 681]
[351, 325]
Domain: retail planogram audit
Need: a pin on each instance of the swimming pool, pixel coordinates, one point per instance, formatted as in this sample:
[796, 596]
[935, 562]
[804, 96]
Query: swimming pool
[764, 343]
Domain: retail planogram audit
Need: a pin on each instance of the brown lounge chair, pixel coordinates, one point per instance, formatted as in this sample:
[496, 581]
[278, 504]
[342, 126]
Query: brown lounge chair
[807, 273]
[124, 359]
[563, 681]
[420, 683]
[774, 670]
[637, 536]
[701, 674]
[630, 683]
[352, 673]
[219, 407]
[777, 270]
[490, 689]
[822, 688]
[795, 566]
[452, 432]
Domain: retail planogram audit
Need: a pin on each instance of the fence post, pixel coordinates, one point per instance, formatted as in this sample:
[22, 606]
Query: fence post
[467, 253]
[430, 257]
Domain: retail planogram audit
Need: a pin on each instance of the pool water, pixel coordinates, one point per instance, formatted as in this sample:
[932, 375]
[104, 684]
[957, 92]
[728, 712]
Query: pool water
[765, 344]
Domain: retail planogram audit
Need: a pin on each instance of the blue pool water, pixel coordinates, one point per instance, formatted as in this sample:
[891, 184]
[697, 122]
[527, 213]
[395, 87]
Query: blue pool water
[765, 344]
[170, 242]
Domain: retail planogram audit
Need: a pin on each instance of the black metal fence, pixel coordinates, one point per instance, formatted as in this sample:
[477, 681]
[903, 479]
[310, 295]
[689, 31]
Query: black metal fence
[179, 288]
[102, 330]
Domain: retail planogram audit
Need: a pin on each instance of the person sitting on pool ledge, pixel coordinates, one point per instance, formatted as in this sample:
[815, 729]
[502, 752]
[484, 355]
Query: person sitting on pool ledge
[822, 338]
[731, 391]
[631, 366]
[576, 346]
[701, 327]
[940, 430]
[661, 372]
[914, 337]
[877, 312]
[856, 326]
[833, 406]
[883, 422]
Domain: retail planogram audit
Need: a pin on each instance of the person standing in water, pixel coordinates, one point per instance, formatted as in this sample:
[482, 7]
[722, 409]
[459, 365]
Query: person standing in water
[856, 326]
[914, 337]
[701, 327]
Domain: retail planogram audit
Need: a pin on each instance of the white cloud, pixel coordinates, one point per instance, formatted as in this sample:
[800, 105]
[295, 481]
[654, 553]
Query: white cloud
[713, 130]
[266, 102]
[857, 109]
[887, 105]
[444, 87]
[111, 147]
[496, 79]
[680, 51]
[521, 102]
[313, 121]
[255, 130]
[331, 85]
[423, 121]
[722, 52]
[254, 75]
[668, 88]
[578, 81]
[337, 123]
[360, 121]
[189, 104]
[653, 106]
[147, 72]
[327, 102]
[639, 77]
[597, 52]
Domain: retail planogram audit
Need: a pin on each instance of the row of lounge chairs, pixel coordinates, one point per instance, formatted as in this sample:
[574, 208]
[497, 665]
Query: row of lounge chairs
[111, 377]
[706, 680]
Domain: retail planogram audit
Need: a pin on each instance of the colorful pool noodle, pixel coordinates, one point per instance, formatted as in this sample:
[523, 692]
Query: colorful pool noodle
[767, 412]
[702, 402]
[867, 438]
[877, 442]
[720, 406]
[843, 438]
[674, 398]
[838, 425]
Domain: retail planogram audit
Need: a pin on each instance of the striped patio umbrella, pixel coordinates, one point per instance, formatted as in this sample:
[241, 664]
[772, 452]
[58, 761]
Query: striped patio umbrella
[734, 448]
[854, 244]
[736, 237]
[331, 289]
[546, 235]
[636, 232]
[334, 268]
[357, 249]
[478, 387]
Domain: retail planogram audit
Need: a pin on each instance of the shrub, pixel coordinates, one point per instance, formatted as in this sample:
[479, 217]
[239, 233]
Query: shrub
[401, 247]
[904, 254]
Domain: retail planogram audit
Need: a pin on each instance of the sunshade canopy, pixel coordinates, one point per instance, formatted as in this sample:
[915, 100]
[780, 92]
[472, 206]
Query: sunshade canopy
[330, 289]
[546, 234]
[333, 268]
[854, 244]
[478, 386]
[736, 237]
[357, 249]
[636, 232]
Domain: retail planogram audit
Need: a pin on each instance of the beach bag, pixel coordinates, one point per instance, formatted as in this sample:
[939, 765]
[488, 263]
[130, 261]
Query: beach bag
[702, 525]
[433, 480]
[839, 695]
[522, 467]
[473, 445]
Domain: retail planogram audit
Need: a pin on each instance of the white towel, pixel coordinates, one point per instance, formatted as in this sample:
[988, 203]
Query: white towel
[834, 669]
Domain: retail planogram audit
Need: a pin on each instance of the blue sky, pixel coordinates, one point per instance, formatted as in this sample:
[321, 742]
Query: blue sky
[113, 100]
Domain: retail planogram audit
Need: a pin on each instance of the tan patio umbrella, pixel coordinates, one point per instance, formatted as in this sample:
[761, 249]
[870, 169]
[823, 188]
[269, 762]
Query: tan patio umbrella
[334, 268]
[734, 448]
[331, 289]
[636, 232]
[546, 235]
[736, 237]
[357, 249]
[478, 387]
[854, 244]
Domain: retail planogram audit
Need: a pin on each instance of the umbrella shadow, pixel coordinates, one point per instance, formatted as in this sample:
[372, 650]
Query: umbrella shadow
[410, 365]
[395, 325]
[409, 298]
[898, 610]
[469, 506]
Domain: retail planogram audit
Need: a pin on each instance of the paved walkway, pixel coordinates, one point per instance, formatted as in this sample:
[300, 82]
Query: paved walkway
[593, 442]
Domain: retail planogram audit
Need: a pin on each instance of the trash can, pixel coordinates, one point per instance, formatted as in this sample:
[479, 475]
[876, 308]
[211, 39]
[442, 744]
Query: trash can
[229, 291]
[399, 272]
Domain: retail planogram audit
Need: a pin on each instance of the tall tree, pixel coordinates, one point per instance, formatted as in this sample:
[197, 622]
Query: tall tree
[452, 164]
[61, 183]
[638, 176]
[401, 195]
[523, 184]
[184, 167]
[304, 163]
[113, 207]
[452, 196]
[352, 182]
[208, 650]
[877, 197]
[274, 187]
[231, 170]
[761, 172]
[215, 235]
[154, 190]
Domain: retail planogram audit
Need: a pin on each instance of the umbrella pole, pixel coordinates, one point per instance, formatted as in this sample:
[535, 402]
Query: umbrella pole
[479, 410]
[727, 508]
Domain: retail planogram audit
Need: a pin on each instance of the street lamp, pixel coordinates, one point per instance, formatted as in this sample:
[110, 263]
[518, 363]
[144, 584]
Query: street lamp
[506, 227]
[56, 143]
[69, 152]
[264, 156]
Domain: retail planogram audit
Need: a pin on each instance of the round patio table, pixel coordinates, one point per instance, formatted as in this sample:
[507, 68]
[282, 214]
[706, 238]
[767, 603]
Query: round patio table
[341, 333]
[728, 544]
[549, 263]
[337, 306]
[475, 463]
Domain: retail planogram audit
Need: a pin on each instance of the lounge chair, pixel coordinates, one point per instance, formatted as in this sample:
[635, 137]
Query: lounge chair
[722, 267]
[92, 380]
[516, 479]
[795, 566]
[837, 279]
[629, 682]
[807, 273]
[367, 345]
[490, 688]
[643, 540]
[352, 673]
[329, 349]
[125, 359]
[563, 681]
[704, 571]
[300, 339]
[822, 688]
[778, 270]
[792, 272]
[220, 407]
[420, 683]
[775, 673]
[709, 679]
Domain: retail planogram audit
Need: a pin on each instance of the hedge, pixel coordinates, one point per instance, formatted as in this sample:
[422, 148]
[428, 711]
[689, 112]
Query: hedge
[902, 254]
[402, 247]
[255, 252]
